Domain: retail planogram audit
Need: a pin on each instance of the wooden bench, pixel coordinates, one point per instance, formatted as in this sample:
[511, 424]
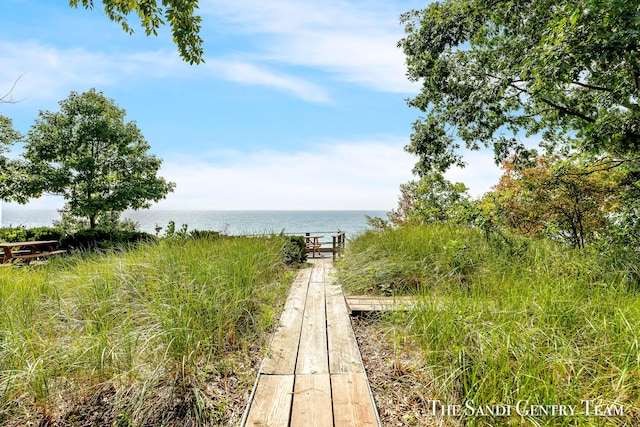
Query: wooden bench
[27, 251]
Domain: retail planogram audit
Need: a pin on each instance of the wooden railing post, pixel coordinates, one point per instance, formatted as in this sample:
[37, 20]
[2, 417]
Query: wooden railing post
[338, 243]
[333, 246]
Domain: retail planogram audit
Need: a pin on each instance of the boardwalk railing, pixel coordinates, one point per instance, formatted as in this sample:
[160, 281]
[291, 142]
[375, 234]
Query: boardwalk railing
[338, 243]
[330, 241]
[333, 242]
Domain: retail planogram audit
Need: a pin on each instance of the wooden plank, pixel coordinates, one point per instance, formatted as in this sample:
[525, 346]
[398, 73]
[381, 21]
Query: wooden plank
[312, 353]
[303, 276]
[344, 355]
[364, 303]
[352, 401]
[38, 254]
[281, 356]
[30, 256]
[380, 299]
[330, 274]
[317, 273]
[312, 401]
[271, 404]
[33, 243]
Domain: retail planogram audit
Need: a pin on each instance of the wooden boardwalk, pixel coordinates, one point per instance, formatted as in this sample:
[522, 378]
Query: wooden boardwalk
[313, 374]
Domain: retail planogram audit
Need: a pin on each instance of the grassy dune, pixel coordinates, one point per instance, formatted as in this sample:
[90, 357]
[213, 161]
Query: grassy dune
[532, 322]
[154, 335]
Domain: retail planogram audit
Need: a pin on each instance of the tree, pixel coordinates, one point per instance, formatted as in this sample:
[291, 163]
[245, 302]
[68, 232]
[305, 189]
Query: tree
[430, 199]
[7, 137]
[88, 154]
[492, 71]
[567, 199]
[15, 182]
[180, 14]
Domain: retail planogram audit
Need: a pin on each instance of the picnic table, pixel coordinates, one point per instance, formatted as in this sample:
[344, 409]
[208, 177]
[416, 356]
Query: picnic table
[28, 251]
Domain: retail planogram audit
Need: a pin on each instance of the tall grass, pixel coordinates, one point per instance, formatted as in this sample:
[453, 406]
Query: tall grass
[532, 321]
[143, 327]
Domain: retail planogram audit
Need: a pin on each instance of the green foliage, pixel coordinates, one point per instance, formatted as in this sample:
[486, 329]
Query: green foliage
[88, 154]
[430, 199]
[563, 199]
[14, 181]
[8, 135]
[492, 71]
[173, 233]
[106, 221]
[446, 257]
[295, 250]
[205, 234]
[413, 259]
[548, 324]
[92, 238]
[377, 223]
[138, 330]
[180, 14]
[22, 234]
[483, 215]
[83, 239]
[624, 230]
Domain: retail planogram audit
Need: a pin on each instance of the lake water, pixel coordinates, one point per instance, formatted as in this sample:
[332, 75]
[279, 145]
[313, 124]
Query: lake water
[230, 222]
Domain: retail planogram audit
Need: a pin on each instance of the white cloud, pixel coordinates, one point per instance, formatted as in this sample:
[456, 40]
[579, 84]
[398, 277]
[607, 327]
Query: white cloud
[251, 74]
[357, 42]
[46, 70]
[330, 175]
[50, 72]
[350, 41]
[480, 174]
[334, 175]
[45, 201]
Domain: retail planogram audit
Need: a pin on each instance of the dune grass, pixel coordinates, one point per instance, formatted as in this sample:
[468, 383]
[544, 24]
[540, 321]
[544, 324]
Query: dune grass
[499, 324]
[139, 336]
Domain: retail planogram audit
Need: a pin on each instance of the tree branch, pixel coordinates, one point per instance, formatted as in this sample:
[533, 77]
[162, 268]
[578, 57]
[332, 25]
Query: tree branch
[605, 164]
[567, 111]
[550, 103]
[592, 87]
[3, 99]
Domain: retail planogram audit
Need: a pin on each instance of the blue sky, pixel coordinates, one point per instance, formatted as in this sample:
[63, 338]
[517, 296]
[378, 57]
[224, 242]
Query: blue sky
[299, 105]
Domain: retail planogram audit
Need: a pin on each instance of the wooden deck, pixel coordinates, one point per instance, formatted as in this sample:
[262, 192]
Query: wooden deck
[313, 374]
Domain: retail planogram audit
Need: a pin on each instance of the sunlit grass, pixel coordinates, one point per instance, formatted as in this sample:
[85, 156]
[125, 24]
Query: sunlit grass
[496, 325]
[137, 321]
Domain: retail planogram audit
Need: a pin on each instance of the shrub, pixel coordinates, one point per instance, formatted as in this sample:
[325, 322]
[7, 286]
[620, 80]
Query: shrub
[295, 250]
[205, 234]
[22, 234]
[101, 239]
